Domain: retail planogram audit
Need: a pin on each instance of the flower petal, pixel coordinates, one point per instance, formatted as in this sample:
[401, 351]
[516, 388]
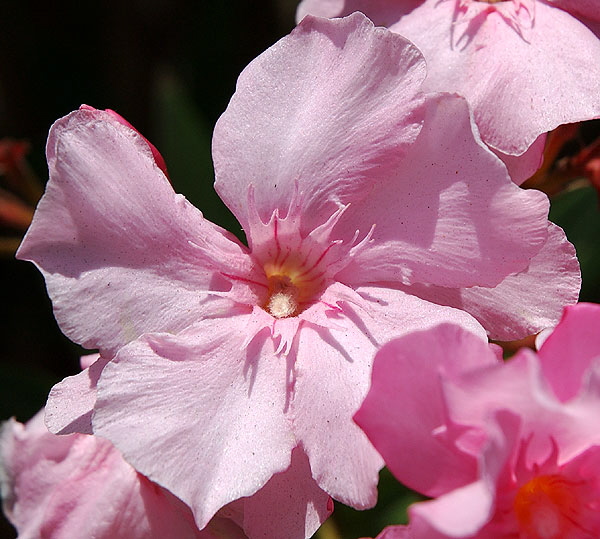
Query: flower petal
[523, 303]
[79, 486]
[332, 378]
[212, 408]
[71, 401]
[450, 216]
[568, 352]
[328, 110]
[521, 82]
[290, 504]
[122, 254]
[522, 167]
[405, 406]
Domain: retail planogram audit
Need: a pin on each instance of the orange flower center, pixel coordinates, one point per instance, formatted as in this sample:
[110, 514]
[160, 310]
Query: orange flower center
[548, 507]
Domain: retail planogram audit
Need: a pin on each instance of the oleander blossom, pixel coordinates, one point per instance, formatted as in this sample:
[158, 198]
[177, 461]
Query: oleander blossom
[512, 450]
[525, 66]
[79, 486]
[232, 373]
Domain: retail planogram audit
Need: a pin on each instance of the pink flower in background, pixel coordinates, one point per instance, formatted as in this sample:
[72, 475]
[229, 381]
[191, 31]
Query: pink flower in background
[79, 486]
[506, 450]
[232, 373]
[525, 66]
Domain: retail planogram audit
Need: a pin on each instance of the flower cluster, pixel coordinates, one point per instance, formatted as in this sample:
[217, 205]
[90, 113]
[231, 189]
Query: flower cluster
[370, 178]
[506, 449]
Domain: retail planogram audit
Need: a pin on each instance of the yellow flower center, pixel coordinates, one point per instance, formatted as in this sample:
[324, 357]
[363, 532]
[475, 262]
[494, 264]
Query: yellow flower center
[292, 286]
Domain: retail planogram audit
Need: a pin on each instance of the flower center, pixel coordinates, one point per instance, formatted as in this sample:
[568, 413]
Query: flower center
[291, 287]
[548, 507]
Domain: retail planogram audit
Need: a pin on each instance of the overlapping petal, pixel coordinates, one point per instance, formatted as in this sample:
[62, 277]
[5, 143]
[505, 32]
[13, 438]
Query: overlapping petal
[71, 402]
[210, 406]
[452, 220]
[291, 500]
[569, 351]
[79, 486]
[333, 367]
[524, 302]
[523, 70]
[331, 108]
[121, 252]
[520, 82]
[407, 409]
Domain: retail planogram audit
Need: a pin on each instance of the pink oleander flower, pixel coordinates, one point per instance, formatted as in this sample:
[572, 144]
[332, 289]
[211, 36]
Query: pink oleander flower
[223, 366]
[61, 487]
[525, 66]
[506, 449]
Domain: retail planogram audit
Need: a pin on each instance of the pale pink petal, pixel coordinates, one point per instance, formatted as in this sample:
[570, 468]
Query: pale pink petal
[87, 360]
[104, 497]
[381, 12]
[79, 486]
[328, 110]
[71, 401]
[291, 500]
[523, 303]
[521, 167]
[521, 81]
[453, 220]
[568, 351]
[405, 407]
[25, 488]
[211, 406]
[122, 254]
[332, 378]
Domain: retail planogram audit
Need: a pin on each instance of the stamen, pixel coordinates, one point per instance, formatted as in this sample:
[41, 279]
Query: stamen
[283, 297]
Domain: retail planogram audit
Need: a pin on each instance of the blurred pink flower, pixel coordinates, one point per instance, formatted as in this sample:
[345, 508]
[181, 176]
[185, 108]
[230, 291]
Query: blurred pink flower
[525, 66]
[222, 365]
[60, 487]
[506, 450]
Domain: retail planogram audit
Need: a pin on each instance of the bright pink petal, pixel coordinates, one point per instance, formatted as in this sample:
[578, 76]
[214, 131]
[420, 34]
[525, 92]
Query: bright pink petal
[568, 352]
[329, 109]
[397, 532]
[522, 79]
[523, 303]
[462, 512]
[79, 486]
[332, 377]
[405, 406]
[519, 386]
[585, 8]
[122, 254]
[210, 405]
[291, 500]
[453, 220]
[71, 401]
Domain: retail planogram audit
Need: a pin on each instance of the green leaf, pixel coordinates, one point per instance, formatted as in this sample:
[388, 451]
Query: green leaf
[183, 137]
[577, 212]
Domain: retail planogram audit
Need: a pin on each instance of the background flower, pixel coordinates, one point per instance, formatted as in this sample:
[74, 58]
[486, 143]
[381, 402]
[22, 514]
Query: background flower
[504, 448]
[525, 66]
